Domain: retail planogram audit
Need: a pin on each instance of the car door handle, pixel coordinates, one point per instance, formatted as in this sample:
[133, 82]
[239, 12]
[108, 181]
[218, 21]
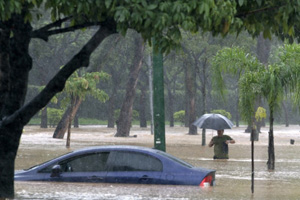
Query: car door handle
[145, 178]
[95, 178]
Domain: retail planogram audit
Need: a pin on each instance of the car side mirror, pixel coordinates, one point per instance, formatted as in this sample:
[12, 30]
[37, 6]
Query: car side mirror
[56, 171]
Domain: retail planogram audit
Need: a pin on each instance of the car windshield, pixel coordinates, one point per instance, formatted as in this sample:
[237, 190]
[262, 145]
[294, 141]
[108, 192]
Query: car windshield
[45, 162]
[175, 159]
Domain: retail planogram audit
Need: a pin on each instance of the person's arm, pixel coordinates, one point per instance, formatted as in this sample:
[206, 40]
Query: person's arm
[211, 143]
[231, 141]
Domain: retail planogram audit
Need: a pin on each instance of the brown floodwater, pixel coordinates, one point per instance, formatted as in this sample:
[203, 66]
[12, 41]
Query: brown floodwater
[233, 176]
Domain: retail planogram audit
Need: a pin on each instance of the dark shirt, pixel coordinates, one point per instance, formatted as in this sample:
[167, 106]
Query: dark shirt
[220, 147]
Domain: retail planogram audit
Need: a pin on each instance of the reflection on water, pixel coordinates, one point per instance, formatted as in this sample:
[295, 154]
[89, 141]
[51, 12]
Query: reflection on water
[225, 189]
[233, 177]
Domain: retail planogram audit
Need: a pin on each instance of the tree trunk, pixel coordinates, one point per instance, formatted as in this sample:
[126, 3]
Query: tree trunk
[111, 107]
[171, 107]
[111, 110]
[143, 86]
[203, 78]
[186, 100]
[44, 118]
[124, 120]
[9, 143]
[63, 124]
[192, 117]
[271, 150]
[286, 115]
[14, 114]
[142, 109]
[237, 114]
[248, 129]
[76, 120]
[4, 67]
[263, 50]
[15, 64]
[191, 91]
[186, 108]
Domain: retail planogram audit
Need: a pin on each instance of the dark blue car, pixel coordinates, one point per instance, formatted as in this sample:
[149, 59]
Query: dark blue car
[119, 164]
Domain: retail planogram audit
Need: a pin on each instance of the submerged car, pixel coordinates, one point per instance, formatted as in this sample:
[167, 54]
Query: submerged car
[119, 164]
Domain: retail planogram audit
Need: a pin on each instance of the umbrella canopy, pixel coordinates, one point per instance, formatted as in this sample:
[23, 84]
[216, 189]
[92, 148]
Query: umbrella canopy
[213, 121]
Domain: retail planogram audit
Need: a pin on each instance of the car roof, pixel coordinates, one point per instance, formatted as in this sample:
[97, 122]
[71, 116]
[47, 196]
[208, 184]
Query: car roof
[118, 147]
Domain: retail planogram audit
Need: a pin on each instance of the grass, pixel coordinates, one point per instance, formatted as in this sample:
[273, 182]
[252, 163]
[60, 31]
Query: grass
[82, 121]
[91, 121]
[34, 121]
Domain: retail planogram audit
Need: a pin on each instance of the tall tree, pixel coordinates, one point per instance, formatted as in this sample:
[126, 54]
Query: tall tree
[268, 82]
[76, 89]
[143, 85]
[190, 84]
[117, 66]
[124, 120]
[234, 61]
[173, 72]
[263, 49]
[61, 47]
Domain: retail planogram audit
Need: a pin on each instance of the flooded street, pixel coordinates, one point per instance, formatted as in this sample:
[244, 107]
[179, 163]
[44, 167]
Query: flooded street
[233, 177]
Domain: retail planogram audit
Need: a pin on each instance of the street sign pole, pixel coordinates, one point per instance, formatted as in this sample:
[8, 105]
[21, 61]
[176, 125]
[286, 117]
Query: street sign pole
[158, 101]
[252, 157]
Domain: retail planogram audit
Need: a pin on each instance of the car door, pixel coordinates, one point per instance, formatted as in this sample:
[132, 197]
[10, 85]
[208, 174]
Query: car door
[83, 168]
[134, 167]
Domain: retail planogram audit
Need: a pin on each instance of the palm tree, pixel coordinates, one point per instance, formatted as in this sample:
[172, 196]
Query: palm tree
[272, 83]
[256, 81]
[267, 82]
[232, 61]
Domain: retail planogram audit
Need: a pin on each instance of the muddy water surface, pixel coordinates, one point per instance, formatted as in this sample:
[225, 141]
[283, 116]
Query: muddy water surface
[233, 177]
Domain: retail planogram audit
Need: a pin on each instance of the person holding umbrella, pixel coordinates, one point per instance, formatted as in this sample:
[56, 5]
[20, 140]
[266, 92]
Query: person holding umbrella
[217, 122]
[220, 143]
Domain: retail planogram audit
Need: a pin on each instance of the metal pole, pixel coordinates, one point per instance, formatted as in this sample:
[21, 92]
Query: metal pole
[252, 158]
[151, 93]
[158, 100]
[203, 137]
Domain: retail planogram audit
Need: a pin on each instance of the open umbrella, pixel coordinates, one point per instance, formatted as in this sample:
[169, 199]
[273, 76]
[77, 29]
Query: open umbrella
[213, 121]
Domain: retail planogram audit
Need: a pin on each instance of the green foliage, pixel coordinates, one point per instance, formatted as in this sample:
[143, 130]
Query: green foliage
[271, 82]
[222, 112]
[135, 115]
[54, 115]
[250, 87]
[34, 121]
[117, 113]
[290, 59]
[90, 121]
[234, 61]
[163, 19]
[81, 86]
[179, 116]
[260, 114]
[274, 84]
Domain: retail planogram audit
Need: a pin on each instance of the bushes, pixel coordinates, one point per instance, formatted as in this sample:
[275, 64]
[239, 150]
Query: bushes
[179, 116]
[222, 112]
[54, 115]
[260, 114]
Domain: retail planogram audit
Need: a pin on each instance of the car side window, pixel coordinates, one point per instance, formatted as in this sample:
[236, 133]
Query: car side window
[86, 163]
[132, 161]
